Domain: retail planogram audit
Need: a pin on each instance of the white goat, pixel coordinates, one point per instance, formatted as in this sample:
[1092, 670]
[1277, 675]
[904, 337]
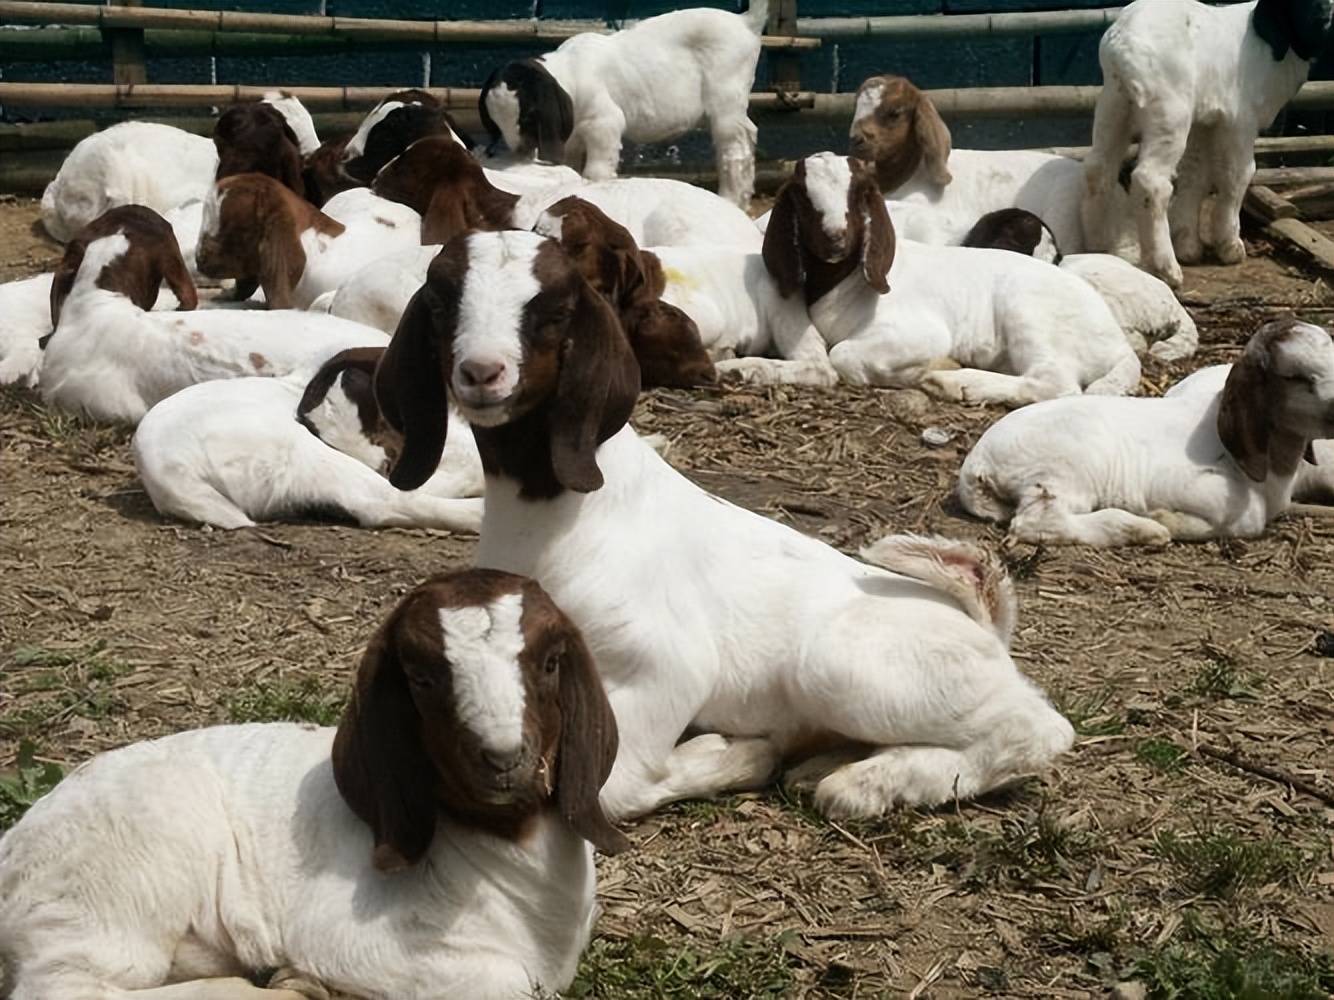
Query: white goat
[893, 318]
[111, 360]
[776, 636]
[1145, 471]
[1196, 83]
[436, 846]
[236, 451]
[652, 81]
[1152, 319]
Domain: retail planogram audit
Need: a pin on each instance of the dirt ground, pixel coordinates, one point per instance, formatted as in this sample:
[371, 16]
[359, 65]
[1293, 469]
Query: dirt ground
[1143, 856]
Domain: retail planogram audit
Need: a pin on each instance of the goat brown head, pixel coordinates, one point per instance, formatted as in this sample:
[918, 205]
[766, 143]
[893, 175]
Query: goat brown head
[338, 407]
[392, 126]
[476, 700]
[255, 138]
[535, 359]
[1016, 230]
[895, 126]
[828, 220]
[322, 172]
[151, 257]
[441, 181]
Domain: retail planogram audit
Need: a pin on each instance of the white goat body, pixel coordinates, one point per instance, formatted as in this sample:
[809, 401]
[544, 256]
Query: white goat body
[220, 851]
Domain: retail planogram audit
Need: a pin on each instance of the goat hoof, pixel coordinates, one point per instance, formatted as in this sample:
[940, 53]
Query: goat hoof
[296, 982]
[1188, 249]
[1231, 252]
[1169, 272]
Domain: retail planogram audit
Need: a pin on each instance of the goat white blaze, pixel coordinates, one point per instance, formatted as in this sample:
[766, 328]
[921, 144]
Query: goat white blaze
[211, 221]
[497, 287]
[828, 180]
[357, 144]
[502, 104]
[1047, 250]
[338, 422]
[867, 101]
[99, 254]
[483, 645]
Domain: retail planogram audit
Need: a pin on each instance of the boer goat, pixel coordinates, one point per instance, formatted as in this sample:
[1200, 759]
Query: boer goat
[702, 615]
[437, 844]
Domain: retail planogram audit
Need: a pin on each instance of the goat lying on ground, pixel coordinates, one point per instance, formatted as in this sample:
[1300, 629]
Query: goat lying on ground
[260, 233]
[897, 319]
[1145, 471]
[702, 614]
[235, 451]
[436, 845]
[112, 360]
[652, 81]
[1196, 83]
[1151, 317]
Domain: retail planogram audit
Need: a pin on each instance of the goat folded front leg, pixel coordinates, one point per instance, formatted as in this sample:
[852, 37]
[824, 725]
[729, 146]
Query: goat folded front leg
[973, 385]
[700, 768]
[771, 371]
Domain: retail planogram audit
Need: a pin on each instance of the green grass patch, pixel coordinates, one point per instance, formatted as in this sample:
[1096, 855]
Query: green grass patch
[28, 783]
[285, 701]
[1161, 755]
[1030, 846]
[1211, 966]
[644, 967]
[1220, 677]
[1222, 863]
[1089, 712]
[54, 684]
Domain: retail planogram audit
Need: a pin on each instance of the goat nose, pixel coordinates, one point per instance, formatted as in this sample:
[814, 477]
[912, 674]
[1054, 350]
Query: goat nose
[502, 760]
[483, 373]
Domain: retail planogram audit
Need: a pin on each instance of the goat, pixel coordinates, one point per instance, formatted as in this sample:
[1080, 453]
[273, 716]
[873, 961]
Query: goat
[776, 636]
[259, 232]
[111, 360]
[1196, 83]
[236, 451]
[255, 138]
[298, 120]
[1192, 466]
[830, 240]
[895, 126]
[322, 171]
[437, 844]
[392, 126]
[649, 82]
[1152, 319]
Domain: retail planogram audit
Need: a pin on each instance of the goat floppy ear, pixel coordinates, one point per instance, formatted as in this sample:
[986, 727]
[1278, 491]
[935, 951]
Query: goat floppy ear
[595, 391]
[379, 765]
[588, 742]
[934, 139]
[281, 259]
[878, 246]
[410, 388]
[782, 244]
[364, 359]
[488, 123]
[1243, 416]
[62, 281]
[554, 117]
[445, 216]
[177, 276]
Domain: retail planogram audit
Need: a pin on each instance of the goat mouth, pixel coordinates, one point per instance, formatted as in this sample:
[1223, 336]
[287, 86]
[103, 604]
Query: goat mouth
[484, 412]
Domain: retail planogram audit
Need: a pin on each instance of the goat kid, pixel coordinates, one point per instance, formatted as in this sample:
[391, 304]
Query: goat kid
[1153, 320]
[830, 241]
[110, 359]
[392, 126]
[739, 626]
[236, 451]
[1196, 84]
[436, 845]
[650, 82]
[1190, 466]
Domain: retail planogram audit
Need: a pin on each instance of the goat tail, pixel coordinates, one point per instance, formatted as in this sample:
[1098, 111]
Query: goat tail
[970, 574]
[757, 15]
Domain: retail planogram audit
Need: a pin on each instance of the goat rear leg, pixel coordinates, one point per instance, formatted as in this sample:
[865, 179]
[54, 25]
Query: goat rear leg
[734, 150]
[1112, 128]
[1161, 149]
[1044, 518]
[1234, 166]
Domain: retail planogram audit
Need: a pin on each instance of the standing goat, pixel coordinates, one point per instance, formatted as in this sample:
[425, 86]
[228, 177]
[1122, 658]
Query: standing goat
[650, 82]
[701, 614]
[1023, 331]
[1196, 84]
[1188, 466]
[437, 845]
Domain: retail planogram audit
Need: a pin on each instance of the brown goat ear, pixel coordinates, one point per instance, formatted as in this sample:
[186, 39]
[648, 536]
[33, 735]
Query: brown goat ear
[177, 276]
[934, 139]
[595, 391]
[281, 261]
[410, 386]
[445, 216]
[62, 281]
[878, 246]
[782, 243]
[379, 765]
[1243, 416]
[364, 359]
[588, 742]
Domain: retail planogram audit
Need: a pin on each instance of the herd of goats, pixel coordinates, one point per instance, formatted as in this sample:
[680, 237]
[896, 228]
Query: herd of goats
[406, 322]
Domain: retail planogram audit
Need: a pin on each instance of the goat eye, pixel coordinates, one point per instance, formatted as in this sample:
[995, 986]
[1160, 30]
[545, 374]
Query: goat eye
[551, 664]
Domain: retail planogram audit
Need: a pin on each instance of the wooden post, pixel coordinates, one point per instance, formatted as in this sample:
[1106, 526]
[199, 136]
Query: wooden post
[127, 51]
[784, 66]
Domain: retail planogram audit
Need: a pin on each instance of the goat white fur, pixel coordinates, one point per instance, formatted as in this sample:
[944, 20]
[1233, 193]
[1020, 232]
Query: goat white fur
[777, 636]
[231, 452]
[298, 119]
[1192, 465]
[982, 308]
[652, 81]
[113, 361]
[1196, 83]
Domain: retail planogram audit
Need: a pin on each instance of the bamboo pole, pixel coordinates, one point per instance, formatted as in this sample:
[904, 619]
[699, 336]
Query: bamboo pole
[52, 44]
[921, 26]
[434, 32]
